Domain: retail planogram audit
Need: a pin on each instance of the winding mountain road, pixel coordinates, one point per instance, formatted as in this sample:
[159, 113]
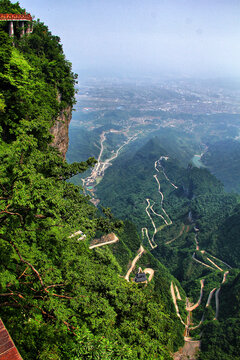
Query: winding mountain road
[150, 272]
[217, 303]
[225, 276]
[178, 293]
[210, 297]
[218, 260]
[140, 252]
[174, 298]
[191, 308]
[115, 239]
[212, 262]
[165, 217]
[196, 242]
[200, 262]
[174, 290]
[101, 166]
[178, 236]
[166, 177]
[162, 198]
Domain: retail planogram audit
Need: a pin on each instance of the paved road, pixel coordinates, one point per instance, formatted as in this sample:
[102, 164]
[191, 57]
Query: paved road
[217, 303]
[159, 162]
[210, 297]
[178, 236]
[219, 260]
[105, 243]
[100, 166]
[151, 242]
[196, 242]
[150, 272]
[225, 276]
[200, 262]
[191, 308]
[178, 293]
[162, 198]
[140, 252]
[164, 217]
[212, 262]
[172, 290]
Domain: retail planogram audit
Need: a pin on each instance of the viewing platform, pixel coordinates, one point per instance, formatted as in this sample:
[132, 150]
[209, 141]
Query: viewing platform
[15, 17]
[21, 19]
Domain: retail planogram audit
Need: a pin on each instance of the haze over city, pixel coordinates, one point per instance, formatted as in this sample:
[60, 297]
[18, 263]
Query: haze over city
[148, 37]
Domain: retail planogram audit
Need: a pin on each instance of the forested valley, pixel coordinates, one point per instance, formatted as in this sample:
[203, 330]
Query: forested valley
[197, 240]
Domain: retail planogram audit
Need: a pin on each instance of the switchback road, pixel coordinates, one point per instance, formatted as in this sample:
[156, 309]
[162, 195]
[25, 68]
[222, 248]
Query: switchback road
[140, 252]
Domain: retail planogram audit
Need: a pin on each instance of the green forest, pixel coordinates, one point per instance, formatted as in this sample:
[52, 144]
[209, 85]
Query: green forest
[58, 298]
[213, 225]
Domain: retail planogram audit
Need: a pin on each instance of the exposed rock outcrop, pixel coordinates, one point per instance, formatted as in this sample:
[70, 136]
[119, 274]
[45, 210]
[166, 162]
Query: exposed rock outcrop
[60, 130]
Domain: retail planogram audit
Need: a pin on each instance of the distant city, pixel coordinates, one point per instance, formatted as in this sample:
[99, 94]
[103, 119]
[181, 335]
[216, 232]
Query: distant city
[183, 96]
[117, 112]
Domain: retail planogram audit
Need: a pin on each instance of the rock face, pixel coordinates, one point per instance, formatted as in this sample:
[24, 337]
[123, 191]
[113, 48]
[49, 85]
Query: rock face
[60, 130]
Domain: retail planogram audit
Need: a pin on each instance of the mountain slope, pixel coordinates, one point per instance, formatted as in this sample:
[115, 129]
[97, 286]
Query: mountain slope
[196, 235]
[222, 158]
[58, 298]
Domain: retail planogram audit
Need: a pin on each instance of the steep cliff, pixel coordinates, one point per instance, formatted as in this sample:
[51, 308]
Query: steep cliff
[60, 130]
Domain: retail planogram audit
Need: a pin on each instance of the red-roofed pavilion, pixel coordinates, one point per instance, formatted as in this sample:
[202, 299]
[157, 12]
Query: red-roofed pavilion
[21, 18]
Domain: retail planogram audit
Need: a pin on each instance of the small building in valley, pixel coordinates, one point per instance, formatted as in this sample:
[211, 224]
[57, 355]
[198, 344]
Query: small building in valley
[140, 278]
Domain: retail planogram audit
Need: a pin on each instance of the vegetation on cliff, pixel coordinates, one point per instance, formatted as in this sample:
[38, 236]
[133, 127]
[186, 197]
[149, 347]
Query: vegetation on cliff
[58, 299]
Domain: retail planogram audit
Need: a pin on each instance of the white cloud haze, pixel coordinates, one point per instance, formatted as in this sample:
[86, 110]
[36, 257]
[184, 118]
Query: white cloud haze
[146, 36]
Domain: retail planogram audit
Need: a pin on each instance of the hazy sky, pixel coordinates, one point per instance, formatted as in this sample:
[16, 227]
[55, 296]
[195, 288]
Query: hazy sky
[191, 37]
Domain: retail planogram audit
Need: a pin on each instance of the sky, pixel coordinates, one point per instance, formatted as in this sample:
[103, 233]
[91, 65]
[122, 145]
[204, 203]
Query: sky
[196, 38]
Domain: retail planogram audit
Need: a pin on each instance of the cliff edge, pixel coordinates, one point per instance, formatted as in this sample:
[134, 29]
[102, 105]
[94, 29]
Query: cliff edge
[60, 130]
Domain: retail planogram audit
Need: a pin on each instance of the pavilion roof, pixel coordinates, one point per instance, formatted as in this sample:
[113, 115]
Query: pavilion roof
[15, 17]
